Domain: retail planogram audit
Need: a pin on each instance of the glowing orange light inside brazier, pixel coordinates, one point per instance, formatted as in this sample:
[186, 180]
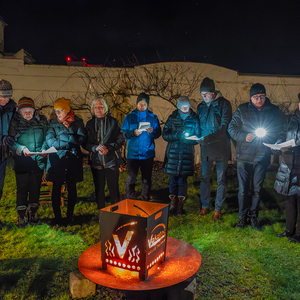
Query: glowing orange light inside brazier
[134, 235]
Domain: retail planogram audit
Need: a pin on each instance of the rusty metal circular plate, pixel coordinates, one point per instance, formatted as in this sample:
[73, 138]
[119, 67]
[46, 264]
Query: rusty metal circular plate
[182, 262]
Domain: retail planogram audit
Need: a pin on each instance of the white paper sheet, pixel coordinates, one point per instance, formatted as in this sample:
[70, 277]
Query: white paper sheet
[50, 150]
[193, 138]
[287, 144]
[143, 126]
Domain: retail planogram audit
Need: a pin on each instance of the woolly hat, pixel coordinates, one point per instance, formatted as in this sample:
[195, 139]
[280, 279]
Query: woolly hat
[25, 102]
[256, 89]
[143, 97]
[207, 85]
[6, 90]
[62, 103]
[183, 100]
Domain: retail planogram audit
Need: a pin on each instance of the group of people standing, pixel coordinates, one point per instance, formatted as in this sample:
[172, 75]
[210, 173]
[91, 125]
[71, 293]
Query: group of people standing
[26, 132]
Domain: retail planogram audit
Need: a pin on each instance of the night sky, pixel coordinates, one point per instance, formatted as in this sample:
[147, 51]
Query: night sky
[248, 36]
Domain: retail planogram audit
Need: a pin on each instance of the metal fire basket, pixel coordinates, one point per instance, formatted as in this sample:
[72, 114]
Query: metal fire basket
[133, 235]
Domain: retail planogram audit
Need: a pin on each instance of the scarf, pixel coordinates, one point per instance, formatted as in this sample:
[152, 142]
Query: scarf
[70, 117]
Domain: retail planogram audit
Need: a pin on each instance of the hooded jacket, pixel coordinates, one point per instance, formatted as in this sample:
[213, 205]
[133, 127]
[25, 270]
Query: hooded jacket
[106, 131]
[142, 146]
[246, 119]
[179, 156]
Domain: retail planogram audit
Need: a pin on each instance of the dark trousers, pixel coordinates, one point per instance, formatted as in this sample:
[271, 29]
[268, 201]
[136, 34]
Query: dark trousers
[28, 188]
[178, 185]
[133, 166]
[56, 198]
[2, 176]
[246, 172]
[112, 179]
[292, 211]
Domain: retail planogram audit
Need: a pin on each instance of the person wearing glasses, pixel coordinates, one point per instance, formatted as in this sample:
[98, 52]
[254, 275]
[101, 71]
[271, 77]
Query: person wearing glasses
[253, 124]
[214, 114]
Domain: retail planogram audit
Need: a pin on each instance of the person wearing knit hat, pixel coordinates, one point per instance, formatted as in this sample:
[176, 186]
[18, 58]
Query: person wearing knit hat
[214, 114]
[140, 128]
[179, 156]
[104, 141]
[253, 157]
[29, 131]
[66, 134]
[8, 108]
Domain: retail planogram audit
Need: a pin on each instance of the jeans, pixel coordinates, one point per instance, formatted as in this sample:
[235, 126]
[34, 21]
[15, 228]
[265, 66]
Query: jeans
[178, 185]
[2, 176]
[221, 167]
[246, 172]
[133, 166]
[112, 179]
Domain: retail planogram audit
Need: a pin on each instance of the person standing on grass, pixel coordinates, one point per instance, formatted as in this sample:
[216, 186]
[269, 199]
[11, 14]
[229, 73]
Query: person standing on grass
[214, 114]
[140, 145]
[28, 129]
[104, 140]
[7, 110]
[253, 123]
[179, 157]
[287, 179]
[66, 133]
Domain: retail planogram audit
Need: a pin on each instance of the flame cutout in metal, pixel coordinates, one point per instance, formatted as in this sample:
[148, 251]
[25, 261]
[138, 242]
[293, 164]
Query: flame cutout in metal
[122, 249]
[108, 249]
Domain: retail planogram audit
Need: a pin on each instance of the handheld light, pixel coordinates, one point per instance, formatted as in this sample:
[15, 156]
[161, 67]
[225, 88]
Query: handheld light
[186, 134]
[260, 132]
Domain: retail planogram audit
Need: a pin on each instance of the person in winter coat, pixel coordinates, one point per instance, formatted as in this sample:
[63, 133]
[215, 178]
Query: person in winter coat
[253, 124]
[104, 140]
[140, 145]
[28, 128]
[66, 133]
[179, 156]
[214, 114]
[288, 178]
[7, 110]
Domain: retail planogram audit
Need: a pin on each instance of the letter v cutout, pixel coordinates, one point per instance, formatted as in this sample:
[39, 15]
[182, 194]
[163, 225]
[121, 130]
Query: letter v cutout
[122, 249]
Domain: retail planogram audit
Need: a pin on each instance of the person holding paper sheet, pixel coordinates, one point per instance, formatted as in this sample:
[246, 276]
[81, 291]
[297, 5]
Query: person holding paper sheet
[253, 157]
[66, 133]
[140, 146]
[179, 157]
[28, 128]
[288, 178]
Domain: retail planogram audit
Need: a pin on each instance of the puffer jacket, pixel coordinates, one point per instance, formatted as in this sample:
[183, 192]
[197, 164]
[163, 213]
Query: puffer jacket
[246, 119]
[179, 156]
[6, 114]
[142, 146]
[214, 120]
[30, 134]
[288, 177]
[66, 164]
[106, 131]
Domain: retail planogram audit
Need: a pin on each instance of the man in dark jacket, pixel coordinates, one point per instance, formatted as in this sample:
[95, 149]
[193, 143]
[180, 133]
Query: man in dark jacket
[253, 124]
[214, 114]
[7, 110]
[140, 145]
[104, 141]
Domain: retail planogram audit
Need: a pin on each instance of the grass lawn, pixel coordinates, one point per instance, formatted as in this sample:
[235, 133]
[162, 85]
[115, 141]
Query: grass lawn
[35, 262]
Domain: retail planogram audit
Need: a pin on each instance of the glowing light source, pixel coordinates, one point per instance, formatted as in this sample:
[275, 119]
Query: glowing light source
[260, 132]
[186, 134]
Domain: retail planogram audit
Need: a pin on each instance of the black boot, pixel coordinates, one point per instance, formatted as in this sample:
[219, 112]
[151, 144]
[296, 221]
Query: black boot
[180, 209]
[22, 216]
[174, 203]
[33, 213]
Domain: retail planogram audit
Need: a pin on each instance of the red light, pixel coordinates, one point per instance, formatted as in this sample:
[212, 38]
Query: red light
[69, 58]
[83, 59]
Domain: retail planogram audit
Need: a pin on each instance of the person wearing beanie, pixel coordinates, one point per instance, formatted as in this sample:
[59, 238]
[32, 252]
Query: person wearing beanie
[66, 133]
[214, 114]
[8, 108]
[253, 157]
[28, 129]
[140, 128]
[179, 155]
[104, 141]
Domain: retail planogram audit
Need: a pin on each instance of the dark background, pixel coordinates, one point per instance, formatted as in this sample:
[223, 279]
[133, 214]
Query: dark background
[248, 36]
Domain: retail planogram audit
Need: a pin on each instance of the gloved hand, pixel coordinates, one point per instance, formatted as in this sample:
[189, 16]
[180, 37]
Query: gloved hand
[179, 134]
[203, 140]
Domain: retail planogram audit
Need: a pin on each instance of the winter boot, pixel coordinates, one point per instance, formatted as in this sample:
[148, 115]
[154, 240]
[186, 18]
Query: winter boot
[180, 209]
[33, 213]
[22, 216]
[174, 203]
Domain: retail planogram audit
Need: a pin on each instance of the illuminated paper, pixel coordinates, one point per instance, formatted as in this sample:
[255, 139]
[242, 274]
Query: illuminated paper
[193, 138]
[287, 144]
[143, 126]
[50, 150]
